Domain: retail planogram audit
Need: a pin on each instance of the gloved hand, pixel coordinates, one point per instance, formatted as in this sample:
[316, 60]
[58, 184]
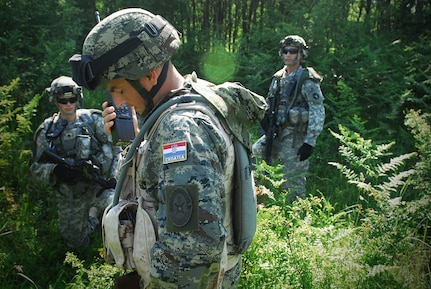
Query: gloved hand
[305, 151]
[64, 173]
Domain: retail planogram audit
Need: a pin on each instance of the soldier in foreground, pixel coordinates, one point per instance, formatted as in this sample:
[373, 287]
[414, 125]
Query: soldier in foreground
[182, 173]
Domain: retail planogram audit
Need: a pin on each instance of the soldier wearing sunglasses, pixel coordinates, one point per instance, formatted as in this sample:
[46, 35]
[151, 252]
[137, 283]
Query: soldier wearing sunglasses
[78, 136]
[296, 107]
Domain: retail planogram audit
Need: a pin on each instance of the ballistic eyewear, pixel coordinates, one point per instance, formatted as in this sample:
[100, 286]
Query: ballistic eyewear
[290, 50]
[72, 100]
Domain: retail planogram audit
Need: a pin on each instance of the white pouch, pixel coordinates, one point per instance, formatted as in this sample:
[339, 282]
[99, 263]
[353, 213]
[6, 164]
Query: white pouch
[145, 237]
[118, 224]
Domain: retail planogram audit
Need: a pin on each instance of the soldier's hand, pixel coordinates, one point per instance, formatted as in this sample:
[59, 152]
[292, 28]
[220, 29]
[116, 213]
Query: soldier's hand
[305, 151]
[64, 173]
[109, 116]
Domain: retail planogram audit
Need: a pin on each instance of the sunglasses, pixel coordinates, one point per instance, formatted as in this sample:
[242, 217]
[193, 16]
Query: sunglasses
[290, 50]
[72, 99]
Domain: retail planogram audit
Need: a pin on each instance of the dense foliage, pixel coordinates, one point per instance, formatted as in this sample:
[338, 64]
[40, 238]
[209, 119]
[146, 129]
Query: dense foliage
[366, 223]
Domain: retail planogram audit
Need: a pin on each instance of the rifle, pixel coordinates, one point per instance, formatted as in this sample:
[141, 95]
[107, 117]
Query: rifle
[86, 169]
[272, 127]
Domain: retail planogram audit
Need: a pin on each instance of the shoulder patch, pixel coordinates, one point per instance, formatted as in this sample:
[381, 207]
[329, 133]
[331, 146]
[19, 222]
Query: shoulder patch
[174, 152]
[182, 208]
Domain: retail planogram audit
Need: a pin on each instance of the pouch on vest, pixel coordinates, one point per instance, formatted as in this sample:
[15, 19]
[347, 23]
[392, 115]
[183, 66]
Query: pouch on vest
[128, 236]
[118, 224]
[145, 237]
[244, 200]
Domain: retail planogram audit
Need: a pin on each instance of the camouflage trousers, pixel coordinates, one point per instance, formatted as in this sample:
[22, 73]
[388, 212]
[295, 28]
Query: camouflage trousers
[74, 203]
[285, 148]
[230, 280]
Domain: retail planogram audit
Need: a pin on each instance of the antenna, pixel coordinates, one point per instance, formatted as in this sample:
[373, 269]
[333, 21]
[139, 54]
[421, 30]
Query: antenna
[97, 16]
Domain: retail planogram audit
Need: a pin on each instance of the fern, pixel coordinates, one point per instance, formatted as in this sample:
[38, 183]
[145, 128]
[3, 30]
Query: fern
[393, 164]
[366, 167]
[419, 125]
[395, 181]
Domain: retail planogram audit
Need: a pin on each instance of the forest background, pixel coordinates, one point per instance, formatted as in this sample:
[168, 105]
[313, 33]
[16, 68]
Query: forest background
[366, 222]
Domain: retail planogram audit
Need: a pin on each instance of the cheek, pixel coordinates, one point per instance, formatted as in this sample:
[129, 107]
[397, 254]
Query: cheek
[116, 98]
[139, 104]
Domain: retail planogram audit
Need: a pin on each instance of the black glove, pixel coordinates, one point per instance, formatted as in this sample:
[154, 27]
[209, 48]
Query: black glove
[129, 281]
[305, 151]
[64, 173]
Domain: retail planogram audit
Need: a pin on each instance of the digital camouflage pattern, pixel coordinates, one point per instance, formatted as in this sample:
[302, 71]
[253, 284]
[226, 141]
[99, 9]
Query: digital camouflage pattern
[83, 139]
[189, 194]
[63, 85]
[184, 166]
[240, 107]
[303, 124]
[160, 41]
[193, 253]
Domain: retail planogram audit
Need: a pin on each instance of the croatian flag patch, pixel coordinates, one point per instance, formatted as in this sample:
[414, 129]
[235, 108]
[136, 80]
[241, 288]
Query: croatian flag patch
[174, 152]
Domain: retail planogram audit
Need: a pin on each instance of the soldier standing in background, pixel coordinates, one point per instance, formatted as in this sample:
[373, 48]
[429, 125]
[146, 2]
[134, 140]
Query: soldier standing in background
[78, 136]
[299, 116]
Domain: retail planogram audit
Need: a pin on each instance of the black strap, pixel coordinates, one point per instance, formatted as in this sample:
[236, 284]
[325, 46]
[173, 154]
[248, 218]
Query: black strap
[148, 96]
[113, 55]
[60, 125]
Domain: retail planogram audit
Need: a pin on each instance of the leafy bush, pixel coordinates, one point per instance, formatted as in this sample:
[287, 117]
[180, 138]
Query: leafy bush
[379, 242]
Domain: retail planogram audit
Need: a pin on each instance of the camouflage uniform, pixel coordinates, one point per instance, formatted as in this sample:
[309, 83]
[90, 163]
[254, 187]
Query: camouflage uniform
[183, 170]
[83, 139]
[302, 124]
[190, 253]
[190, 190]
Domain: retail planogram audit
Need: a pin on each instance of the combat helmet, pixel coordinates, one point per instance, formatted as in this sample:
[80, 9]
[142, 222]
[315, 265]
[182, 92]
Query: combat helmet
[294, 40]
[63, 85]
[128, 44]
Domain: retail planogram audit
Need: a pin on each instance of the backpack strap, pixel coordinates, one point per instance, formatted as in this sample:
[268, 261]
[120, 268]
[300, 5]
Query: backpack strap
[89, 125]
[143, 130]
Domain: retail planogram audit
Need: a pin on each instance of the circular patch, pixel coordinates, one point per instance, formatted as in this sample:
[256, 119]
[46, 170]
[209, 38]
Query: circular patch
[180, 207]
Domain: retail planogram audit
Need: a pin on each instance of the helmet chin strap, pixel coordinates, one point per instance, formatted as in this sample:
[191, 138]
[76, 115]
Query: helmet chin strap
[149, 95]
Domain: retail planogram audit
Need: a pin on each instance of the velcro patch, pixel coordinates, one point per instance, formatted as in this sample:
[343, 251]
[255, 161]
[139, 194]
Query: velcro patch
[174, 152]
[182, 203]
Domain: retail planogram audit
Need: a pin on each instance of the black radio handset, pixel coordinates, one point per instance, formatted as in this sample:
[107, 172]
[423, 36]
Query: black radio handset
[123, 130]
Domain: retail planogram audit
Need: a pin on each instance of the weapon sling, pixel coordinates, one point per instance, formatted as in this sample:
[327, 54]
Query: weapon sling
[272, 131]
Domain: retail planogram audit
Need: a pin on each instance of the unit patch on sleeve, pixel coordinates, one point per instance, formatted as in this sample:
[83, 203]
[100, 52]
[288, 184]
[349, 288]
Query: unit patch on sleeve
[174, 152]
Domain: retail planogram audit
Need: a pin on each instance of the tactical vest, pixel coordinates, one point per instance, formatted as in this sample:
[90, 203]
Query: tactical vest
[292, 109]
[81, 142]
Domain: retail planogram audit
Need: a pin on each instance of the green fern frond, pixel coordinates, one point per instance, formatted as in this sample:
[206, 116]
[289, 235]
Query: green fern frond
[394, 163]
[382, 149]
[395, 181]
[348, 173]
[366, 187]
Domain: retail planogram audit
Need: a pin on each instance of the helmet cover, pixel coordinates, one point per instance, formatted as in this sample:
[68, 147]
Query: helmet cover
[294, 40]
[159, 41]
[63, 85]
